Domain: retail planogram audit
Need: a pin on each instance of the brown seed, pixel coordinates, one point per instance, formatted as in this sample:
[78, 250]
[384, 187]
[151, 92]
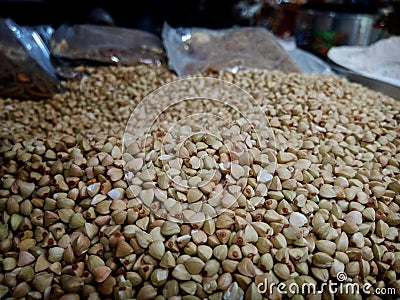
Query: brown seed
[285, 157]
[199, 237]
[229, 201]
[325, 246]
[159, 277]
[50, 218]
[171, 289]
[9, 263]
[143, 238]
[123, 249]
[204, 252]
[115, 174]
[189, 287]
[26, 189]
[282, 271]
[322, 260]
[322, 231]
[12, 206]
[224, 281]
[21, 290]
[134, 278]
[101, 273]
[71, 284]
[246, 267]
[147, 196]
[80, 244]
[77, 220]
[41, 263]
[249, 250]
[279, 241]
[224, 221]
[194, 265]
[168, 260]
[211, 268]
[369, 214]
[357, 240]
[252, 292]
[197, 220]
[272, 216]
[266, 262]
[342, 242]
[157, 249]
[239, 237]
[264, 245]
[354, 216]
[220, 252]
[107, 287]
[170, 228]
[206, 188]
[242, 280]
[282, 255]
[25, 258]
[320, 274]
[234, 252]
[42, 281]
[70, 296]
[262, 229]
[352, 269]
[90, 230]
[55, 254]
[181, 273]
[229, 266]
[337, 266]
[194, 195]
[393, 219]
[382, 229]
[275, 184]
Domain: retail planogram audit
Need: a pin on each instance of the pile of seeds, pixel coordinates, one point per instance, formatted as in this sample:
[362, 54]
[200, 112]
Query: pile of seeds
[214, 215]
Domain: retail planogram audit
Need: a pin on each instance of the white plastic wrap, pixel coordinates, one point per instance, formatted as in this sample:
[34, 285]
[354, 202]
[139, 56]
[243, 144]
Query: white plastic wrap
[380, 61]
[193, 50]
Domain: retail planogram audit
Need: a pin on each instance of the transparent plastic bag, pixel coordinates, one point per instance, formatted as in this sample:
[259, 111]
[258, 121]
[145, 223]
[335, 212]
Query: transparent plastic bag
[25, 69]
[106, 44]
[193, 50]
[44, 31]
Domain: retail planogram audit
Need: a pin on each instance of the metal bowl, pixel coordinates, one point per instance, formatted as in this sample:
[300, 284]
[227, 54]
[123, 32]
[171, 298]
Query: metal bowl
[318, 31]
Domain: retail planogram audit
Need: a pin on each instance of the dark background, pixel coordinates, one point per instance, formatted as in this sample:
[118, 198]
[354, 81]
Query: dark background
[150, 15]
[147, 15]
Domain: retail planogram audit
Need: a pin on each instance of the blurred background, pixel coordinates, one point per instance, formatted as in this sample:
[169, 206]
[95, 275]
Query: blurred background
[315, 25]
[147, 15]
[307, 30]
[277, 15]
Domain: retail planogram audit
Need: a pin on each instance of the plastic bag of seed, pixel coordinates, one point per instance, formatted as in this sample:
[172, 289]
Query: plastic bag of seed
[44, 31]
[106, 44]
[25, 69]
[193, 50]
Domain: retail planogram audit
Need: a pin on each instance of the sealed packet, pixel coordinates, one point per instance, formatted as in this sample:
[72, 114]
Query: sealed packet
[107, 44]
[193, 50]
